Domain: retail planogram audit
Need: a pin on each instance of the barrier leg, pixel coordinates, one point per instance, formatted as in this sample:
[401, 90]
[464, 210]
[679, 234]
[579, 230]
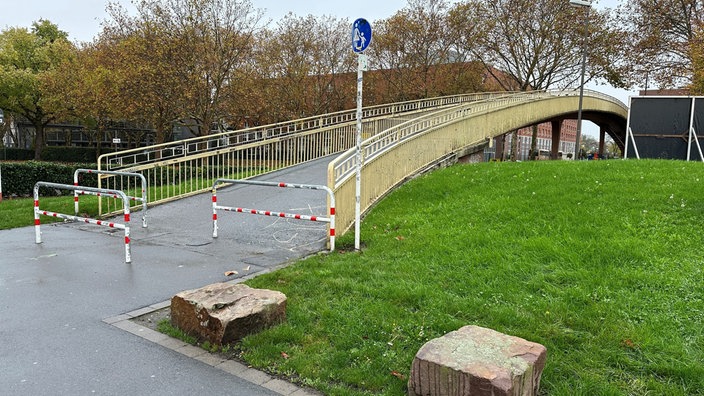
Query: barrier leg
[215, 215]
[128, 253]
[75, 193]
[37, 222]
[332, 222]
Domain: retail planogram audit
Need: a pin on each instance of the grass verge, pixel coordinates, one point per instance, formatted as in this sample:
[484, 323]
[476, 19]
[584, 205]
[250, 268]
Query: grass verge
[599, 261]
[19, 212]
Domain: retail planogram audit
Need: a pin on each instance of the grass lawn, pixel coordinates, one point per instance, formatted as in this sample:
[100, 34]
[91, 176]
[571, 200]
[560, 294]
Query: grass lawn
[599, 261]
[19, 212]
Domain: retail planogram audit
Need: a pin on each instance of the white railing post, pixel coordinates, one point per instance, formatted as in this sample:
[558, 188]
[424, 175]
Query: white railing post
[215, 213]
[143, 199]
[37, 221]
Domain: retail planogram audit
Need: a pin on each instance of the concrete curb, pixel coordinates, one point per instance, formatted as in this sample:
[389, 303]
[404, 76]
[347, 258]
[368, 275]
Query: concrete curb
[232, 367]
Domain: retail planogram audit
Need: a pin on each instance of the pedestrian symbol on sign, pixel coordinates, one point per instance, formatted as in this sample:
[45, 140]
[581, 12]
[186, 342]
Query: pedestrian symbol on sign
[359, 39]
[361, 35]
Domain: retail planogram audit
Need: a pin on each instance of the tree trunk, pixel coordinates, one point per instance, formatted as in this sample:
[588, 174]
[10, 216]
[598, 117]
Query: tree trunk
[38, 140]
[99, 142]
[534, 143]
[514, 145]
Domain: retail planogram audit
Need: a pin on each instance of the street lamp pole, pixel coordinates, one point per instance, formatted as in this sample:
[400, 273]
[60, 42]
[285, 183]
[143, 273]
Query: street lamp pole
[588, 5]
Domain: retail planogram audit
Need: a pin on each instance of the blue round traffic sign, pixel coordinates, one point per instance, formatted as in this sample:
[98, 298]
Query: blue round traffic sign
[361, 35]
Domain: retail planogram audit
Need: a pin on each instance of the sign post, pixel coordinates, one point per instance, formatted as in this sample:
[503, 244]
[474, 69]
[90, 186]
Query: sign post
[361, 37]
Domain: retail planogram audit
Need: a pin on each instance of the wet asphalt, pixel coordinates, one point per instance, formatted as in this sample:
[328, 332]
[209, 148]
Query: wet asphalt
[55, 295]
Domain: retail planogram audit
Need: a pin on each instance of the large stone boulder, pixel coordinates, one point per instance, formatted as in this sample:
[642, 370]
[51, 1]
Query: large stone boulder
[222, 313]
[477, 361]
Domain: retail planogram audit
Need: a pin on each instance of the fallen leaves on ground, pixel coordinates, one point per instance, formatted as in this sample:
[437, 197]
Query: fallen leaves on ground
[398, 375]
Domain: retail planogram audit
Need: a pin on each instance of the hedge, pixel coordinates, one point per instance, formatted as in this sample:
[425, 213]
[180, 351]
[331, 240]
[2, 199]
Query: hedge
[56, 154]
[71, 154]
[19, 178]
[16, 154]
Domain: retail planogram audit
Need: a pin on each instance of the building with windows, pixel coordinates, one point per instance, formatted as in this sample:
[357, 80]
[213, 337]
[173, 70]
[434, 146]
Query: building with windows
[568, 135]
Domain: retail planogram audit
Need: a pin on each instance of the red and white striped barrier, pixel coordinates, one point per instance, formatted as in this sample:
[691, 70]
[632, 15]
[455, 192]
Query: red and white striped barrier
[92, 190]
[143, 199]
[330, 219]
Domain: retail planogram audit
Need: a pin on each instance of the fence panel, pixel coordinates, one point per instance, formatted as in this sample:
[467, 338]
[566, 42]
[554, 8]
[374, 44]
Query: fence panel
[331, 205]
[179, 169]
[97, 191]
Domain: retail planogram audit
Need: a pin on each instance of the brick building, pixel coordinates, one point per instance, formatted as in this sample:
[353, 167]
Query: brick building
[568, 136]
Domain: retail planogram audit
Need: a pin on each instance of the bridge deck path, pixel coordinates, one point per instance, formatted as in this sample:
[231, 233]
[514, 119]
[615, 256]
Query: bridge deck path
[55, 296]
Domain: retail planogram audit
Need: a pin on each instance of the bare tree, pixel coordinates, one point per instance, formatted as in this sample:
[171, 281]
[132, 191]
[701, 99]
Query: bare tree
[663, 36]
[422, 53]
[527, 44]
[305, 75]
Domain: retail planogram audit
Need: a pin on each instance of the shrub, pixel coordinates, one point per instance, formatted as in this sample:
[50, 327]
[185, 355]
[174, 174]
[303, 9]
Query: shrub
[16, 154]
[55, 154]
[19, 178]
[70, 154]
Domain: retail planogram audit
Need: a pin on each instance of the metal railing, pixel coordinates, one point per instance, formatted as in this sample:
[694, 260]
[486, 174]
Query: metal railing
[392, 155]
[331, 205]
[142, 198]
[178, 169]
[198, 145]
[113, 193]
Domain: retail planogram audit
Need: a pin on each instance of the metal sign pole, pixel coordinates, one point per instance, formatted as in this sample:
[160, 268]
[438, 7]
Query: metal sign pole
[361, 37]
[358, 177]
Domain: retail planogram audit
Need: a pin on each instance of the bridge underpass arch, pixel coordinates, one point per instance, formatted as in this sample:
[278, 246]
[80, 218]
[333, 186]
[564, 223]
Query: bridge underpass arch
[610, 120]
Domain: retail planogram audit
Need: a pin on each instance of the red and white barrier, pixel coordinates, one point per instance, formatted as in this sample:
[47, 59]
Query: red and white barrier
[330, 219]
[143, 199]
[97, 191]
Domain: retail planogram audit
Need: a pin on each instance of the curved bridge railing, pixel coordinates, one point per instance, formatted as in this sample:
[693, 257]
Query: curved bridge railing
[400, 140]
[186, 167]
[393, 155]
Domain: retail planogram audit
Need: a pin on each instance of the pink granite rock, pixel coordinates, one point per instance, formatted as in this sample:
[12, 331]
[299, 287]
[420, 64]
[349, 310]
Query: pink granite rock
[475, 361]
[222, 313]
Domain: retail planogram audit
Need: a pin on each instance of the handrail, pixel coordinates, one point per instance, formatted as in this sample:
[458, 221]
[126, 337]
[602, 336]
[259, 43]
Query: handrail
[118, 193]
[192, 146]
[104, 172]
[343, 166]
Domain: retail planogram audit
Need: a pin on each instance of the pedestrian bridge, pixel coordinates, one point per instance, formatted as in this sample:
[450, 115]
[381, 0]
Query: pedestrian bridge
[399, 141]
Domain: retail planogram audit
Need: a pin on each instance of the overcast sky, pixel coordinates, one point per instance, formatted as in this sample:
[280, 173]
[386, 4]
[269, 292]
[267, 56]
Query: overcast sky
[82, 18]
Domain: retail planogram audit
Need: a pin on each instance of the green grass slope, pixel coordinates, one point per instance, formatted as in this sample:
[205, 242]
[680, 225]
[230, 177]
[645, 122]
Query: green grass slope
[599, 261]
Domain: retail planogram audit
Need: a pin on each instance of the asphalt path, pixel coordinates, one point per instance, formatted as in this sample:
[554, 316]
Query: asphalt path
[55, 295]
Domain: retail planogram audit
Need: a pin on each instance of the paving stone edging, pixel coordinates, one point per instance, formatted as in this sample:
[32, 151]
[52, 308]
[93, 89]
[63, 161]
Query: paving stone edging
[257, 377]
